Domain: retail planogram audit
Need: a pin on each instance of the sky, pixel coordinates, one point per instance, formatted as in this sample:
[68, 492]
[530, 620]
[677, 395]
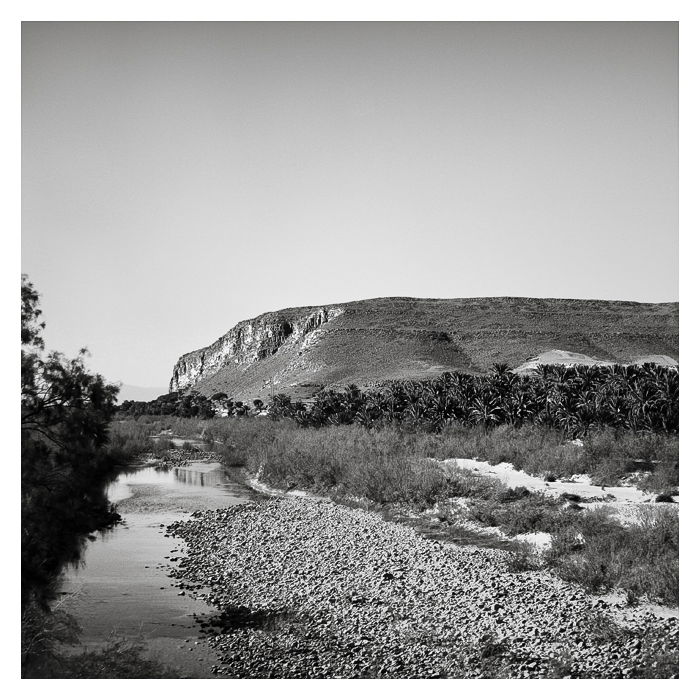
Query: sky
[180, 177]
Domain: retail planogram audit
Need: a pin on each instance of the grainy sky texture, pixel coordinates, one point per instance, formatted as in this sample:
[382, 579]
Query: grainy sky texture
[181, 177]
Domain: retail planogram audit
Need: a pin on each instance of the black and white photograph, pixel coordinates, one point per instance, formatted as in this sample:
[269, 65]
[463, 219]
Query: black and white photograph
[349, 350]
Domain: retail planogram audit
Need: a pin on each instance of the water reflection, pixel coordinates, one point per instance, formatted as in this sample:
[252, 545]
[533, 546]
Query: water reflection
[194, 477]
[123, 586]
[198, 480]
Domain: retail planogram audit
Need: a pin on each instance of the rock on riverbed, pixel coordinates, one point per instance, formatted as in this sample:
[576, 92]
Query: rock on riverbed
[311, 589]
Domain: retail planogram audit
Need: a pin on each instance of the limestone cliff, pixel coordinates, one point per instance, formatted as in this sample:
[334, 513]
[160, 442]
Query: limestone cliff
[249, 342]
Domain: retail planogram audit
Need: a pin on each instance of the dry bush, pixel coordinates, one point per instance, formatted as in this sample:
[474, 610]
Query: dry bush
[599, 553]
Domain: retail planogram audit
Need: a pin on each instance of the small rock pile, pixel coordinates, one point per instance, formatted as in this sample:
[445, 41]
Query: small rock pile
[311, 589]
[178, 458]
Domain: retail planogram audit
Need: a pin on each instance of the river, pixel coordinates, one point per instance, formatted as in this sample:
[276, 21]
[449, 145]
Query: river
[122, 587]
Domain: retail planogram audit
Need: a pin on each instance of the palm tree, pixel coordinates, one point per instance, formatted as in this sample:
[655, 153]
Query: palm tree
[518, 407]
[486, 411]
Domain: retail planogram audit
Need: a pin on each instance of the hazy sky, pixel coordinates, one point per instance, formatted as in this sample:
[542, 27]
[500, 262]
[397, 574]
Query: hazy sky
[178, 178]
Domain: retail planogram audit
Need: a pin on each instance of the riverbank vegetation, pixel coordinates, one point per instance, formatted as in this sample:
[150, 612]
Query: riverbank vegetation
[574, 400]
[612, 422]
[641, 558]
[608, 455]
[178, 403]
[397, 468]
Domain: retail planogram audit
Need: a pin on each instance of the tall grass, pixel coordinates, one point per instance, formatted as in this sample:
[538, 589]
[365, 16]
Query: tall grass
[130, 438]
[607, 455]
[380, 466]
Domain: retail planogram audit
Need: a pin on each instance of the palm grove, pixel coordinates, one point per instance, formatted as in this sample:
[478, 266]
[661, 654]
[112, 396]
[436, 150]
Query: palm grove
[573, 399]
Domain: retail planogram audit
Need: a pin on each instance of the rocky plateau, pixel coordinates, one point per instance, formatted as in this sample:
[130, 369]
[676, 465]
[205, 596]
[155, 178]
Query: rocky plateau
[298, 351]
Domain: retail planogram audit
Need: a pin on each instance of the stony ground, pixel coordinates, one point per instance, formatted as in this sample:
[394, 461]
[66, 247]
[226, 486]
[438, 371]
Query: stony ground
[311, 589]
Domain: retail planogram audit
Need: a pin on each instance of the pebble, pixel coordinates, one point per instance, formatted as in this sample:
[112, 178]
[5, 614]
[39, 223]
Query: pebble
[312, 589]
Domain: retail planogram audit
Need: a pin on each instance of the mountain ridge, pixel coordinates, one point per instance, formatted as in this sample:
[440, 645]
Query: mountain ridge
[298, 350]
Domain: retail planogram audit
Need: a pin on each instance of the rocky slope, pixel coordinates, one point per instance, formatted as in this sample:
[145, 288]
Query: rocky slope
[297, 351]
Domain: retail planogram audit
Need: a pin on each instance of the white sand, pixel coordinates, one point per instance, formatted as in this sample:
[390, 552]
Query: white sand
[559, 357]
[567, 358]
[539, 540]
[628, 504]
[579, 485]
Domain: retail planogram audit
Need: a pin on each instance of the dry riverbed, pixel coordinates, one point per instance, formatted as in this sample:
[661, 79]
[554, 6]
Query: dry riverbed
[311, 589]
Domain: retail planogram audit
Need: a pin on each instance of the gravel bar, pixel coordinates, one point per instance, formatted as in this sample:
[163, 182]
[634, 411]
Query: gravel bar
[312, 589]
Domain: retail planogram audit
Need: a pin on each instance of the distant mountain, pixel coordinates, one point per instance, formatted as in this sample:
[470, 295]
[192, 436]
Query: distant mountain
[129, 392]
[297, 351]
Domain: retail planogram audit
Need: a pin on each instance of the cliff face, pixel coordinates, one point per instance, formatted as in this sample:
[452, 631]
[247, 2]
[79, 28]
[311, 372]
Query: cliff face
[249, 342]
[298, 351]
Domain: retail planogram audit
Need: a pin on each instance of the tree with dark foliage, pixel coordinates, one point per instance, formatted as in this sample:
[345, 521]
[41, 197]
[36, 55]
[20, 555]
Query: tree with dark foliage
[65, 415]
[178, 403]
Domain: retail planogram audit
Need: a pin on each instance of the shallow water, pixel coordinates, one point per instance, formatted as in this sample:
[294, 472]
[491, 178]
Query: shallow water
[122, 587]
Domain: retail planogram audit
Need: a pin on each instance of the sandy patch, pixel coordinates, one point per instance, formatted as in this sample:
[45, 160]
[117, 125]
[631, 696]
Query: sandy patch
[559, 357]
[631, 614]
[580, 484]
[628, 504]
[567, 358]
[539, 540]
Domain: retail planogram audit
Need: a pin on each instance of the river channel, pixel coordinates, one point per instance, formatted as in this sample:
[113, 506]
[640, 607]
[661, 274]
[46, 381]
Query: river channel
[122, 588]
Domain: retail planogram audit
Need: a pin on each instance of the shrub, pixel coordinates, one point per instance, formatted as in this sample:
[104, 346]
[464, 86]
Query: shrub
[572, 497]
[162, 446]
[664, 498]
[534, 449]
[610, 455]
[380, 466]
[231, 456]
[524, 558]
[599, 553]
[508, 495]
[607, 454]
